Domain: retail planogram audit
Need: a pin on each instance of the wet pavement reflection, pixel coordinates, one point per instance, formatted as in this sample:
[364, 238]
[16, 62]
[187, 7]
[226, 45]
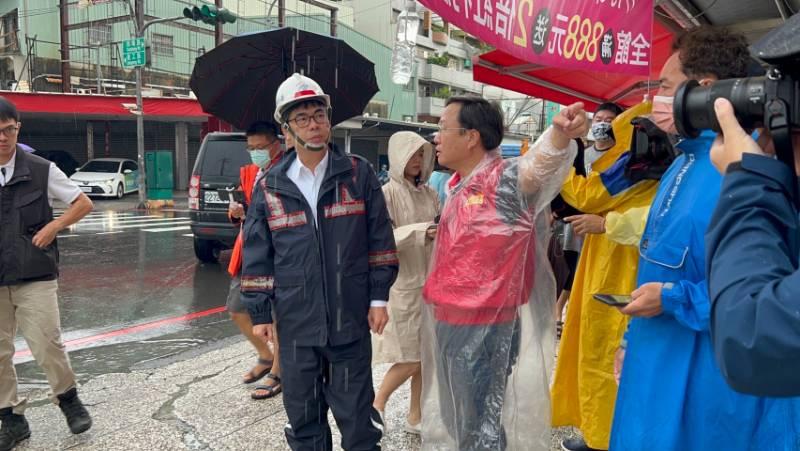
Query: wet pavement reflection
[131, 292]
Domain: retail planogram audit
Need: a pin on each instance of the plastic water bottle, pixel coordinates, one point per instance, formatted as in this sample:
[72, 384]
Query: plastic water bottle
[403, 53]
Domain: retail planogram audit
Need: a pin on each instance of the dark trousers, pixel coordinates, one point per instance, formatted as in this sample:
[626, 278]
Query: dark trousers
[339, 377]
[474, 362]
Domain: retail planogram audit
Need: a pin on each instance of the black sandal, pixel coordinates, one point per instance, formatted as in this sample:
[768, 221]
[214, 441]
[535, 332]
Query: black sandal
[255, 377]
[272, 390]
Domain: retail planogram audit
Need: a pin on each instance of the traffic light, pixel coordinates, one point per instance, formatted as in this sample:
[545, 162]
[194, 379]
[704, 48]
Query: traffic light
[209, 14]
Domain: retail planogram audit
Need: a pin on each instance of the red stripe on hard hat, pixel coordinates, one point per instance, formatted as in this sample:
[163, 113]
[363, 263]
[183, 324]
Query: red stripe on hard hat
[308, 92]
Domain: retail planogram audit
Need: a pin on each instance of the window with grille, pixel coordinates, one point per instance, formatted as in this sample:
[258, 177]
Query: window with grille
[8, 32]
[100, 34]
[162, 44]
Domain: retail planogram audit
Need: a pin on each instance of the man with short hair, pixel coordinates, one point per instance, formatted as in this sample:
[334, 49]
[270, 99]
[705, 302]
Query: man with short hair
[319, 259]
[672, 395]
[489, 294]
[601, 133]
[28, 277]
[264, 147]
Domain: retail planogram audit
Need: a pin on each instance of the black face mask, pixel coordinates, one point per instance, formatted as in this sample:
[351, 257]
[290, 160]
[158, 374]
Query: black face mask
[651, 151]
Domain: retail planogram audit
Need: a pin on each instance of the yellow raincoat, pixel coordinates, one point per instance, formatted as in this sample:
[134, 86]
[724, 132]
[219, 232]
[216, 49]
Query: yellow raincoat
[627, 227]
[584, 389]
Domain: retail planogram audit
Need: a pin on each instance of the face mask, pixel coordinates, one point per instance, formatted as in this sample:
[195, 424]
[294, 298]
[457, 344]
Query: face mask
[662, 114]
[601, 131]
[260, 157]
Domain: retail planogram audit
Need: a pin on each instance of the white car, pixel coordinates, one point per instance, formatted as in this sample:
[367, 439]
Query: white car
[107, 177]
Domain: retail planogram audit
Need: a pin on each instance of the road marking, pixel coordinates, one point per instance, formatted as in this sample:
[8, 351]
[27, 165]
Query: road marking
[168, 229]
[188, 234]
[131, 330]
[65, 236]
[100, 214]
[185, 221]
[119, 219]
[106, 233]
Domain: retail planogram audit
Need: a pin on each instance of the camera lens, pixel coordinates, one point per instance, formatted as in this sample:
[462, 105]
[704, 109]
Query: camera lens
[694, 104]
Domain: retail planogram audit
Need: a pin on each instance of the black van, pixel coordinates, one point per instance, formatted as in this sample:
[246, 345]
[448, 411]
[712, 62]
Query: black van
[217, 167]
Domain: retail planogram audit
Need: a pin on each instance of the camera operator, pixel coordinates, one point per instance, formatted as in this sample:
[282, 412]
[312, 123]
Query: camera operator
[753, 246]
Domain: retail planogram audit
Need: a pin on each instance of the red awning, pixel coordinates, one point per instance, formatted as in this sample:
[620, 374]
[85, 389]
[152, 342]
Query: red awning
[566, 86]
[100, 105]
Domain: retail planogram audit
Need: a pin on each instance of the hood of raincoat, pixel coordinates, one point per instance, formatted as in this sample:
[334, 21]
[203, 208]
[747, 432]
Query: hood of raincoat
[402, 146]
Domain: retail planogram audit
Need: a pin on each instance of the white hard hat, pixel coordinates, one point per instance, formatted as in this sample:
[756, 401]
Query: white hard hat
[295, 89]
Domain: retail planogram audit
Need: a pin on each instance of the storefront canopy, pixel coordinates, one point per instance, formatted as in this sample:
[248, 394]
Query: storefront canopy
[106, 107]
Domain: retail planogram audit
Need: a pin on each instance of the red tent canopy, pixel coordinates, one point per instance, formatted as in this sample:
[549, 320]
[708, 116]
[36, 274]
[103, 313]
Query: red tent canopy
[566, 86]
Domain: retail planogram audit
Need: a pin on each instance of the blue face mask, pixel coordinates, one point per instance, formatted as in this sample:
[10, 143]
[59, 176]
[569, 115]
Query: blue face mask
[260, 157]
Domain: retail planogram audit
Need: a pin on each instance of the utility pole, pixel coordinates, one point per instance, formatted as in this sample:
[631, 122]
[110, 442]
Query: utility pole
[219, 35]
[65, 75]
[140, 110]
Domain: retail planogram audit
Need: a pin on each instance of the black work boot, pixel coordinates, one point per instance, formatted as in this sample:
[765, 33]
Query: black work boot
[14, 430]
[78, 418]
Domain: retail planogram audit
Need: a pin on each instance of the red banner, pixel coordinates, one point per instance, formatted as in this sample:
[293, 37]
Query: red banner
[599, 35]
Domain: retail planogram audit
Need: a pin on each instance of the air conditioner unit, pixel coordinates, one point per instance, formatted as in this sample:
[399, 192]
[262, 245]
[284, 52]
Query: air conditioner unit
[83, 91]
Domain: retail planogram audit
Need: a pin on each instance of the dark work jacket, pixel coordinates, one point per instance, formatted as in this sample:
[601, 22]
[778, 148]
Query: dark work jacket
[317, 281]
[753, 243]
[24, 210]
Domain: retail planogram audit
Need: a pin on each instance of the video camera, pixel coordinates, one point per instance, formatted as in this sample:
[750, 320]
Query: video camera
[771, 101]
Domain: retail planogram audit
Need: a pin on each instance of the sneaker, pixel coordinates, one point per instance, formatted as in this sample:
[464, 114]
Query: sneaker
[78, 418]
[14, 430]
[576, 444]
[415, 429]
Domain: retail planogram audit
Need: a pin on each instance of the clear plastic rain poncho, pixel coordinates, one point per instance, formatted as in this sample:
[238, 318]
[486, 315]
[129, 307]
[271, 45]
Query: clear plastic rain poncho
[488, 333]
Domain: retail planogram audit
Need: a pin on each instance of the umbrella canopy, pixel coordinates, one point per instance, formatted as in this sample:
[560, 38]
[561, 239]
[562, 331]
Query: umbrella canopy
[566, 86]
[237, 81]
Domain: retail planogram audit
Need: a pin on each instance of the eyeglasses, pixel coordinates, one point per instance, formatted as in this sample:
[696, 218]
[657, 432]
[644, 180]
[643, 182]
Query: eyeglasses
[303, 120]
[442, 129]
[265, 147]
[10, 131]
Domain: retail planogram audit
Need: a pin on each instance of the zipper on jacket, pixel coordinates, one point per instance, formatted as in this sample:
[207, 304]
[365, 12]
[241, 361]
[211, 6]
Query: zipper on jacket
[320, 252]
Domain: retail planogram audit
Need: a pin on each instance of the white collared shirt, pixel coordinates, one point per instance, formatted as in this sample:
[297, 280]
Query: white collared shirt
[59, 186]
[309, 182]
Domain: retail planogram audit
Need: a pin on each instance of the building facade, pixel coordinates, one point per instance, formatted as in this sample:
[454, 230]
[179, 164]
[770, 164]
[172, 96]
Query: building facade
[30, 61]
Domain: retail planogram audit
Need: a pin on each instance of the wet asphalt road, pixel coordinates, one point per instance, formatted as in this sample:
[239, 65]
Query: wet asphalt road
[132, 293]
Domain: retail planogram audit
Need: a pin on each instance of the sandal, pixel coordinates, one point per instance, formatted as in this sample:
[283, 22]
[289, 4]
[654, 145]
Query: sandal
[559, 329]
[272, 390]
[254, 377]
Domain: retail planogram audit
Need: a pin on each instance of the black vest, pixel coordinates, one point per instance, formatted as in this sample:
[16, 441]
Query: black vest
[24, 210]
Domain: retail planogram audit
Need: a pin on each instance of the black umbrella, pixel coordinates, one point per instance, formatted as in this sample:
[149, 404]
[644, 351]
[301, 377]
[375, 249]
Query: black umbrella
[237, 81]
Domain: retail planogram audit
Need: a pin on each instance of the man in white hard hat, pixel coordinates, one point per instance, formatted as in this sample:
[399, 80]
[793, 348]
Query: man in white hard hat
[319, 259]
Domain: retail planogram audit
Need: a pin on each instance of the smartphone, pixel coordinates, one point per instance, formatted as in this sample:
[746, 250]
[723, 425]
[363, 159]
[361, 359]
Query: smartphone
[231, 195]
[614, 300]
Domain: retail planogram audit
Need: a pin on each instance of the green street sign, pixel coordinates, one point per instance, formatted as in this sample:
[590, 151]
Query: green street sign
[133, 53]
